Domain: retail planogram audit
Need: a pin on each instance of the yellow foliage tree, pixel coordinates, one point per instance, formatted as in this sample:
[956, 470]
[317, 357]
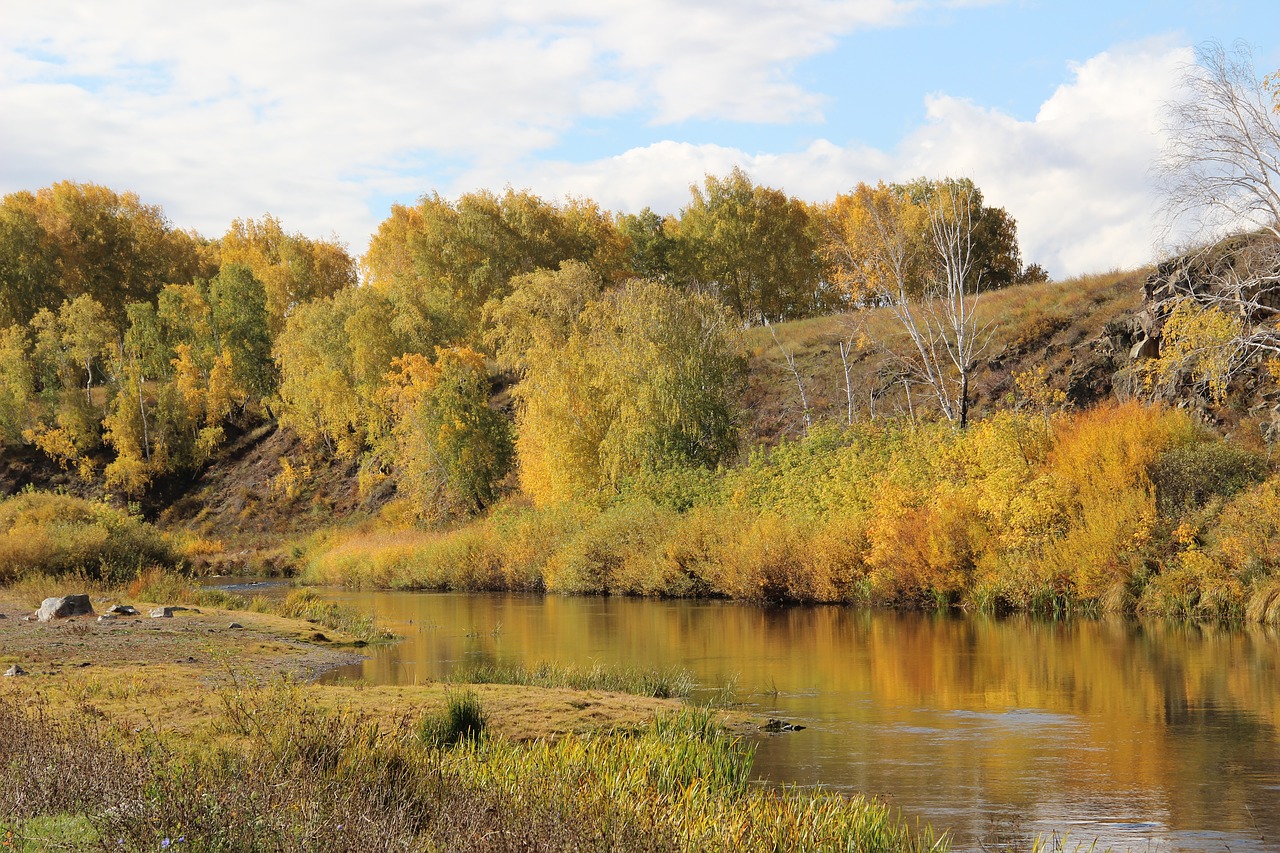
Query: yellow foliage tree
[450, 447]
[293, 268]
[614, 383]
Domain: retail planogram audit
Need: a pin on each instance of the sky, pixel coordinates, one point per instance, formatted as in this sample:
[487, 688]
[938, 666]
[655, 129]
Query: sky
[325, 113]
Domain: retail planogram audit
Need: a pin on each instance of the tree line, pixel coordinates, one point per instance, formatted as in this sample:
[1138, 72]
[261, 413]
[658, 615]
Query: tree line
[129, 347]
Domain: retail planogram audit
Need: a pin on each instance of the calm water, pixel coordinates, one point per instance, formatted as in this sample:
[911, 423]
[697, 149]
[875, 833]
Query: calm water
[1144, 735]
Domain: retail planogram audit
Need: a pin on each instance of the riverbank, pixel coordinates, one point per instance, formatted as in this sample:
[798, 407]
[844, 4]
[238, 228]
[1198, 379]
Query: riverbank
[137, 730]
[1123, 508]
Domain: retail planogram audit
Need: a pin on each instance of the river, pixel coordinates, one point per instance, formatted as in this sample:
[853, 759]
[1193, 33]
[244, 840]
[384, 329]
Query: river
[1151, 736]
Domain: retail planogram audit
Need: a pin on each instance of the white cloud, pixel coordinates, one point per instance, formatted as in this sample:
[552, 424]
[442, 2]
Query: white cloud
[1076, 177]
[319, 112]
[228, 109]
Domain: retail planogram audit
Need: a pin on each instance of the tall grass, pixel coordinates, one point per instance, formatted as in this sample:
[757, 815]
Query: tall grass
[302, 779]
[462, 720]
[669, 684]
[1119, 508]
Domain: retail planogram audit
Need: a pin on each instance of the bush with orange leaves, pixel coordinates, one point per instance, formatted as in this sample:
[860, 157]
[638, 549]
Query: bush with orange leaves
[1117, 508]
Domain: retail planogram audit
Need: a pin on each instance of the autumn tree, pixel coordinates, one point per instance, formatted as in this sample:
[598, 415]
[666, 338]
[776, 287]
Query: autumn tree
[73, 239]
[450, 449]
[17, 385]
[333, 357]
[452, 257]
[614, 382]
[651, 244]
[292, 268]
[850, 237]
[923, 261]
[241, 329]
[29, 277]
[70, 357]
[751, 245]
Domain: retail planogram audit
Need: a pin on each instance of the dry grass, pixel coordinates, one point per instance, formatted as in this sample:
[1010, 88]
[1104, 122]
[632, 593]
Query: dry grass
[1048, 324]
[290, 776]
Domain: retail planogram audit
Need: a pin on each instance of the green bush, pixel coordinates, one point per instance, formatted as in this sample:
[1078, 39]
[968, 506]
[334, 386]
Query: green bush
[1186, 477]
[462, 720]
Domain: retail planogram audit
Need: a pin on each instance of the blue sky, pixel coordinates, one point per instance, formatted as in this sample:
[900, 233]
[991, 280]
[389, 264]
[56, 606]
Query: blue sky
[325, 112]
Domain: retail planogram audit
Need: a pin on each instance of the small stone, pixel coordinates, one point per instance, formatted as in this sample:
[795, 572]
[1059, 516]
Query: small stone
[123, 610]
[106, 617]
[14, 671]
[317, 637]
[234, 625]
[162, 613]
[2, 616]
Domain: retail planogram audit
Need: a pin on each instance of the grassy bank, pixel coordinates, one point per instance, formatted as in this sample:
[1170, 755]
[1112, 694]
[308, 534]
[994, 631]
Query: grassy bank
[1119, 508]
[277, 771]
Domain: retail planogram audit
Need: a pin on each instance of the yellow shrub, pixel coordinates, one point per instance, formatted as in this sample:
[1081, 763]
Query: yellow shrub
[833, 562]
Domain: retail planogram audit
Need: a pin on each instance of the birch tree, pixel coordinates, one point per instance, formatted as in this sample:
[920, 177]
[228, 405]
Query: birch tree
[1220, 175]
[902, 245]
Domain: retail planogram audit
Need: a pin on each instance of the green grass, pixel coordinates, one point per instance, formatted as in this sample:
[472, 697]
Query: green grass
[48, 832]
[462, 720]
[660, 684]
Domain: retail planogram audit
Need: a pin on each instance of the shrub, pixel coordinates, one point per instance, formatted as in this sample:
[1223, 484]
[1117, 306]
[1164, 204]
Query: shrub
[57, 535]
[1186, 477]
[615, 552]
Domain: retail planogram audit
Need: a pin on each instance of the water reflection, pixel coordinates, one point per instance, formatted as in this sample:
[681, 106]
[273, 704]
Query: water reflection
[1148, 736]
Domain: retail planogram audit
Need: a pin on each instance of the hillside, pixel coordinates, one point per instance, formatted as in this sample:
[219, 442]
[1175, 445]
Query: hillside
[1086, 332]
[1082, 330]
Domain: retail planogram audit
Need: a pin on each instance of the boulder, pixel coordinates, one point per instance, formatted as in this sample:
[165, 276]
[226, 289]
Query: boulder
[162, 613]
[64, 608]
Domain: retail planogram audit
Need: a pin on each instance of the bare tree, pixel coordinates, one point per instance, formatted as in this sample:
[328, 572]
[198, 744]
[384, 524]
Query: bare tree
[1220, 173]
[790, 359]
[941, 323]
[1221, 164]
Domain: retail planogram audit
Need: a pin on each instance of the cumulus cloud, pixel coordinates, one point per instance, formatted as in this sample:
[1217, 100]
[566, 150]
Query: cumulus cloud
[1076, 177]
[313, 110]
[320, 112]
